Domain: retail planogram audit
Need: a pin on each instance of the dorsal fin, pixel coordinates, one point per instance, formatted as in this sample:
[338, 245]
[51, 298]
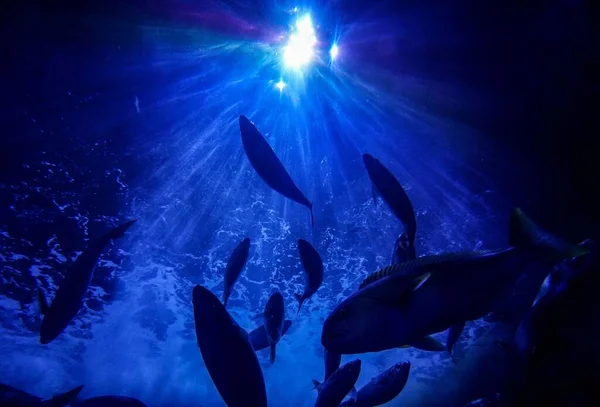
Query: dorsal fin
[379, 274]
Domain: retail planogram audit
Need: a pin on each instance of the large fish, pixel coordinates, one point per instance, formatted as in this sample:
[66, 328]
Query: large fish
[332, 363]
[71, 291]
[267, 165]
[405, 302]
[383, 388]
[259, 339]
[12, 397]
[274, 317]
[227, 353]
[313, 266]
[109, 401]
[333, 391]
[234, 268]
[393, 194]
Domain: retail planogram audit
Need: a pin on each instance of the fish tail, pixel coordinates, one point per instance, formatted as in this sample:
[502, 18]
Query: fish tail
[225, 299]
[119, 231]
[316, 384]
[63, 398]
[272, 354]
[300, 301]
[312, 216]
[524, 234]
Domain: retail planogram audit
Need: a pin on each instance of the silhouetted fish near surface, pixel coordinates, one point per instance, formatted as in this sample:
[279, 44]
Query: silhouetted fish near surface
[234, 268]
[313, 266]
[13, 397]
[383, 388]
[227, 353]
[333, 391]
[258, 337]
[109, 401]
[393, 194]
[69, 297]
[274, 317]
[404, 250]
[267, 165]
[405, 302]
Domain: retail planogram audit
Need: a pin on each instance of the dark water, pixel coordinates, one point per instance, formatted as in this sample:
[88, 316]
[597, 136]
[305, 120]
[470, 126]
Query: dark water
[118, 111]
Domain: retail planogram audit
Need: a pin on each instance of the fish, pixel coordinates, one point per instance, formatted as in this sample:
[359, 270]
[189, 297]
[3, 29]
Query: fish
[268, 166]
[332, 363]
[404, 250]
[72, 289]
[234, 268]
[13, 397]
[227, 352]
[383, 388]
[258, 337]
[109, 401]
[431, 293]
[274, 317]
[333, 391]
[391, 191]
[313, 266]
[454, 333]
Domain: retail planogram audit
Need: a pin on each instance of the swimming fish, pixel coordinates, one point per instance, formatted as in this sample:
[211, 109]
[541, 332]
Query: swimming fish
[393, 194]
[71, 290]
[382, 388]
[258, 337]
[234, 268]
[313, 266]
[431, 293]
[227, 352]
[404, 250]
[274, 317]
[337, 386]
[268, 166]
[332, 363]
[13, 397]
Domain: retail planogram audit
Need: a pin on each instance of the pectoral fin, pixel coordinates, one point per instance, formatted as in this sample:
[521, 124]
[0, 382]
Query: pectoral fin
[43, 302]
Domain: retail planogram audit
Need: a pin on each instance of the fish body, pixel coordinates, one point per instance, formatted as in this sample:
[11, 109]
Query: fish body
[332, 363]
[258, 337]
[338, 385]
[313, 267]
[382, 388]
[227, 353]
[268, 166]
[109, 401]
[404, 250]
[392, 193]
[72, 289]
[274, 318]
[234, 267]
[431, 293]
[13, 397]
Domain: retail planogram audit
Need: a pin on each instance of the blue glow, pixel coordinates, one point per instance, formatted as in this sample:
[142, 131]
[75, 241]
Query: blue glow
[334, 51]
[300, 48]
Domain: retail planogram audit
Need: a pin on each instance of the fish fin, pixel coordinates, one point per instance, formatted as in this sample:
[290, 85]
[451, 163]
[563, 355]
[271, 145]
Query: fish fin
[312, 216]
[453, 334]
[272, 354]
[119, 231]
[225, 299]
[397, 291]
[63, 399]
[428, 343]
[316, 385]
[375, 193]
[381, 273]
[300, 301]
[525, 234]
[43, 302]
[353, 394]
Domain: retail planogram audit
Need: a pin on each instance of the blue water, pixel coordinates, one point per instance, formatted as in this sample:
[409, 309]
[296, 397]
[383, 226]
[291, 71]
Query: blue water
[134, 115]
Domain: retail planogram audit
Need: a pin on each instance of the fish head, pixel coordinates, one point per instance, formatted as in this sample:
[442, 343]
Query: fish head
[350, 371]
[246, 242]
[355, 325]
[275, 302]
[399, 372]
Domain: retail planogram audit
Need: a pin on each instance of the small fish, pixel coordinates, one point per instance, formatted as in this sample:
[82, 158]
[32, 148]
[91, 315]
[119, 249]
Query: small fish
[109, 401]
[404, 250]
[274, 317]
[266, 164]
[386, 185]
[72, 289]
[227, 352]
[313, 266]
[258, 337]
[234, 268]
[332, 363]
[432, 293]
[13, 397]
[383, 388]
[333, 391]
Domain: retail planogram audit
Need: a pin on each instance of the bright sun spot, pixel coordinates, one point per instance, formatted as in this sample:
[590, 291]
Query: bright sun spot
[280, 85]
[299, 50]
[334, 51]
